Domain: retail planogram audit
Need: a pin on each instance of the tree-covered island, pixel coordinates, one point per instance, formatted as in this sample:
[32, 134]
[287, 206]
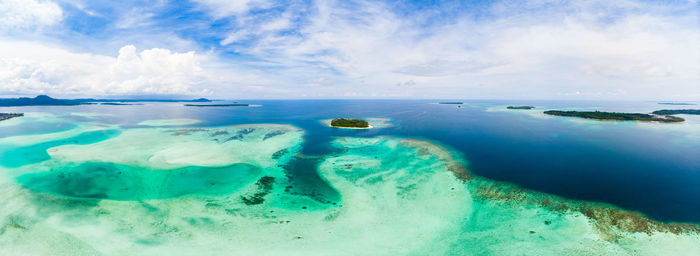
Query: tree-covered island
[676, 103]
[677, 111]
[616, 116]
[451, 102]
[217, 105]
[44, 100]
[5, 116]
[520, 107]
[349, 123]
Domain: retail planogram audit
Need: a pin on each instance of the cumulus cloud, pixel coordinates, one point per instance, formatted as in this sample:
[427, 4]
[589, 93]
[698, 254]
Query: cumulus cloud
[28, 14]
[31, 68]
[333, 49]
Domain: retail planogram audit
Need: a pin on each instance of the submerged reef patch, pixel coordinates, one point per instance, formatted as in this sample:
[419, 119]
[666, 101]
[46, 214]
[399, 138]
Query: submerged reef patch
[160, 191]
[99, 180]
[264, 185]
[169, 122]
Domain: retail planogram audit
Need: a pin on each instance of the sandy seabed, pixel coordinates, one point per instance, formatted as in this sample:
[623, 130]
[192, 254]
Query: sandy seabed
[102, 190]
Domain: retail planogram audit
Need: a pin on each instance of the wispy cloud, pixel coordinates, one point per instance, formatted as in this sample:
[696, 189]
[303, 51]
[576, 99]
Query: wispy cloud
[28, 14]
[332, 49]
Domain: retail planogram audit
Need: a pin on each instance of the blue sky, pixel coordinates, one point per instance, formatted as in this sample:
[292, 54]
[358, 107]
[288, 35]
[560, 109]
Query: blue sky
[542, 49]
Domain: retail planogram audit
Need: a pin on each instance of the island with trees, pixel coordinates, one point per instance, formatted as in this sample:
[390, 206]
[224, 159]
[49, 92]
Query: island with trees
[677, 111]
[520, 107]
[676, 103]
[349, 123]
[5, 116]
[44, 100]
[119, 104]
[41, 100]
[598, 115]
[451, 103]
[218, 105]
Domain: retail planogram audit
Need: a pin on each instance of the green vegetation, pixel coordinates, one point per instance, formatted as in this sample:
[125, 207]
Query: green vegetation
[118, 104]
[41, 100]
[451, 103]
[5, 116]
[349, 123]
[676, 103]
[677, 111]
[520, 107]
[217, 105]
[616, 116]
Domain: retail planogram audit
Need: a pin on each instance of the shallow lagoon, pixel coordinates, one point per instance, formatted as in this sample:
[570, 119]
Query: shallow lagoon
[290, 185]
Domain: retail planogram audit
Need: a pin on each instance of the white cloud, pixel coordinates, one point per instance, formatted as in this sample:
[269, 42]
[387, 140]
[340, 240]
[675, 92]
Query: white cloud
[29, 68]
[28, 14]
[631, 48]
[329, 49]
[223, 8]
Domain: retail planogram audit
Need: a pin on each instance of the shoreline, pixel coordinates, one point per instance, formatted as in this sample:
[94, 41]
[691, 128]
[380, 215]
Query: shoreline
[327, 122]
[7, 116]
[356, 128]
[607, 218]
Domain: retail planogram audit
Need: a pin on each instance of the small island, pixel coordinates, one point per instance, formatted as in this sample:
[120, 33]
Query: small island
[677, 111]
[616, 116]
[119, 104]
[217, 105]
[676, 103]
[520, 107]
[5, 116]
[451, 103]
[349, 123]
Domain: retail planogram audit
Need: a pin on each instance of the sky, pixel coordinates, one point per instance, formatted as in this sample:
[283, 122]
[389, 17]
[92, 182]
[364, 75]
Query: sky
[266, 49]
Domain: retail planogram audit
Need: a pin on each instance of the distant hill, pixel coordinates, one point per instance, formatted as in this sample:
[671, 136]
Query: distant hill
[44, 100]
[143, 100]
[41, 100]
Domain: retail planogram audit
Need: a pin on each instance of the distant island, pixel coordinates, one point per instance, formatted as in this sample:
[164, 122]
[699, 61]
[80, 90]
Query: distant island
[143, 100]
[616, 116]
[676, 103]
[217, 105]
[41, 100]
[5, 116]
[451, 102]
[119, 104]
[44, 100]
[349, 123]
[520, 107]
[677, 111]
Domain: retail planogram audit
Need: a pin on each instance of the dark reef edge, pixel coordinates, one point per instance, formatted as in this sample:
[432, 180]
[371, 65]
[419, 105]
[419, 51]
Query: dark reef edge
[5, 116]
[605, 217]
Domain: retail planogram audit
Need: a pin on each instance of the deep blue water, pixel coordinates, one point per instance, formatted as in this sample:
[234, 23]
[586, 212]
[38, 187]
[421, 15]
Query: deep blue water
[650, 168]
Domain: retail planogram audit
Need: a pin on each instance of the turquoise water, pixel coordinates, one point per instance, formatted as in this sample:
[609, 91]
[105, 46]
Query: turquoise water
[13, 157]
[35, 128]
[275, 180]
[122, 182]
